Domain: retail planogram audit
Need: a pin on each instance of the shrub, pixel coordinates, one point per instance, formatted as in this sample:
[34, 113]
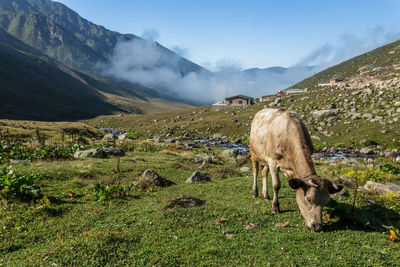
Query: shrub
[103, 192]
[21, 186]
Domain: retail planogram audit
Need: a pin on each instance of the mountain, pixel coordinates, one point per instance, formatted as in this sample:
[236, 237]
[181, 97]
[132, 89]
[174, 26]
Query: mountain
[275, 78]
[62, 34]
[36, 87]
[383, 56]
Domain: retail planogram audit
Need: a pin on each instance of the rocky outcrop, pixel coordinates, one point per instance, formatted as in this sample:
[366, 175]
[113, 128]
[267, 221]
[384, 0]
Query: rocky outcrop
[198, 177]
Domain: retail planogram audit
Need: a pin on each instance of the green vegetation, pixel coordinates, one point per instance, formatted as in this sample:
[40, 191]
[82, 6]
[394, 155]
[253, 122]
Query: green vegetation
[126, 226]
[382, 56]
[20, 186]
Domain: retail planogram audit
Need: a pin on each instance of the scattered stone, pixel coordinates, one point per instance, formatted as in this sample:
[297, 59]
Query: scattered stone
[184, 202]
[322, 113]
[198, 177]
[113, 151]
[381, 189]
[367, 151]
[152, 179]
[245, 169]
[122, 137]
[110, 137]
[202, 158]
[90, 153]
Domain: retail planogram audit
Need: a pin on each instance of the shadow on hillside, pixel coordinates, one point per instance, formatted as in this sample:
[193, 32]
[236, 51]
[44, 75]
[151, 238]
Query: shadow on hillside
[373, 217]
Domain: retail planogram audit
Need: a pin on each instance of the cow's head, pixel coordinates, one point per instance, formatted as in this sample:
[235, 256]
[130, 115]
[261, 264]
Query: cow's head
[311, 196]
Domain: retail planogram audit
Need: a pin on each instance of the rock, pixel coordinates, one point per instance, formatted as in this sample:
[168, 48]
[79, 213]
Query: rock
[202, 158]
[229, 153]
[322, 113]
[112, 151]
[158, 138]
[245, 169]
[381, 189]
[367, 151]
[396, 104]
[184, 202]
[122, 137]
[90, 153]
[171, 140]
[152, 179]
[110, 137]
[350, 161]
[198, 177]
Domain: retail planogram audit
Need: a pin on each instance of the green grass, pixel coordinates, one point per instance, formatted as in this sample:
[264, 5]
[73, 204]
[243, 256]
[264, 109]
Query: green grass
[137, 230]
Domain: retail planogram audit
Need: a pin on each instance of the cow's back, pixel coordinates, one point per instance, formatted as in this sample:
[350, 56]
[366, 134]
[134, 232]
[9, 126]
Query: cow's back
[271, 132]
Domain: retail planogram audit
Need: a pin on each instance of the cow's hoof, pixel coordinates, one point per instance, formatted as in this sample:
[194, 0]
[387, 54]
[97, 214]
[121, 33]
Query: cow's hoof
[267, 198]
[254, 194]
[275, 211]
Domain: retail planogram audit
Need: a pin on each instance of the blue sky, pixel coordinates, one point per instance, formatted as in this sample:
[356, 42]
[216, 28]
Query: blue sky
[252, 33]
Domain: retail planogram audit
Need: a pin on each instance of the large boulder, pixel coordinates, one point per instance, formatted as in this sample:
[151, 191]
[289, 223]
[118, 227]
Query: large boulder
[323, 113]
[90, 153]
[367, 151]
[110, 137]
[381, 189]
[199, 158]
[198, 177]
[113, 151]
[152, 179]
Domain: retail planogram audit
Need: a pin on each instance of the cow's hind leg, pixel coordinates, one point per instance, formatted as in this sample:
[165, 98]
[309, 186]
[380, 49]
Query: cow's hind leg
[265, 182]
[255, 173]
[276, 183]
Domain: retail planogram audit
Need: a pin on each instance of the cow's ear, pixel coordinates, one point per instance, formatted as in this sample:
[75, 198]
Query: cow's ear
[295, 183]
[334, 188]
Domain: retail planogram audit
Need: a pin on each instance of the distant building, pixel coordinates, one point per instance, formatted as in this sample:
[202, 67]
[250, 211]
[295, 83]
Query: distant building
[234, 102]
[239, 100]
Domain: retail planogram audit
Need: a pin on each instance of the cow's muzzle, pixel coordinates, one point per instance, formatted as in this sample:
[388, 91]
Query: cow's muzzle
[317, 227]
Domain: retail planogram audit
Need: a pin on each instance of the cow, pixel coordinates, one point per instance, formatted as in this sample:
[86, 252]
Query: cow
[280, 141]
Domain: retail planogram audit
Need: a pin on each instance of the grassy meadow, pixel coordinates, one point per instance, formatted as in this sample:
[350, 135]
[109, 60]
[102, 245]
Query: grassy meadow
[67, 227]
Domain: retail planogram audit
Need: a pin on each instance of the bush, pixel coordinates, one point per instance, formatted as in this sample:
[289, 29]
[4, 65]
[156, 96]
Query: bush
[20, 186]
[103, 192]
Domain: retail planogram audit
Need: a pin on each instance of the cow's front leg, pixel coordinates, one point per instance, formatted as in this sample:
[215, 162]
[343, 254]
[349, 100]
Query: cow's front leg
[255, 173]
[265, 182]
[276, 183]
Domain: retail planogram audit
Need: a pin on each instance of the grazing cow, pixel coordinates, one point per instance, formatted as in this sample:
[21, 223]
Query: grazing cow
[280, 141]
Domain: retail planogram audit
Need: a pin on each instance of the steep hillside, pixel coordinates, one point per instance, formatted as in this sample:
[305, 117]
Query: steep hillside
[61, 33]
[383, 56]
[36, 87]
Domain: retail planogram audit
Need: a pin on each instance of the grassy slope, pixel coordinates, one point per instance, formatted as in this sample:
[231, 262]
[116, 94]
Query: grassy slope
[138, 231]
[346, 69]
[205, 122]
[34, 86]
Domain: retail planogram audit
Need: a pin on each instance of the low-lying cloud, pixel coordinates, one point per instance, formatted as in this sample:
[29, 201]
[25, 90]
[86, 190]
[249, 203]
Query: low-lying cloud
[347, 46]
[144, 61]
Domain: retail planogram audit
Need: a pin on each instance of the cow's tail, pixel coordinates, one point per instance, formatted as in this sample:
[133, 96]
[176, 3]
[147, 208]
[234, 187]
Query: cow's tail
[245, 160]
